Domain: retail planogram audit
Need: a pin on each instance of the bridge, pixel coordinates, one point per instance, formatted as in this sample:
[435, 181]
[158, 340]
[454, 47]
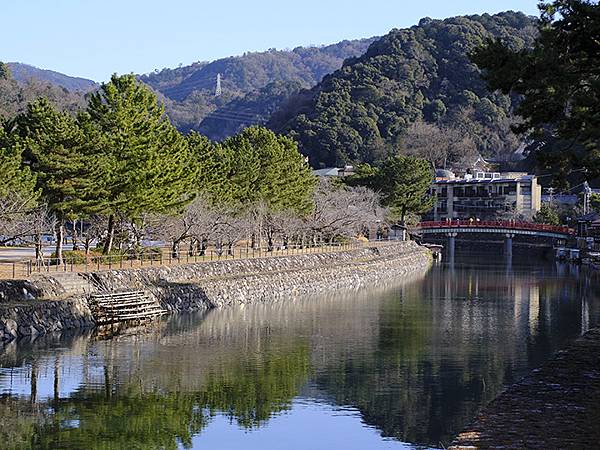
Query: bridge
[507, 229]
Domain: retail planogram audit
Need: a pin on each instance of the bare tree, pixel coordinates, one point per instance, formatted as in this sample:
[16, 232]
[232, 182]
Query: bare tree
[14, 209]
[441, 146]
[343, 211]
[92, 229]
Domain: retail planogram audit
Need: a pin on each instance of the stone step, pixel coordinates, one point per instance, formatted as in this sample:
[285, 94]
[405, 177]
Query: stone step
[111, 307]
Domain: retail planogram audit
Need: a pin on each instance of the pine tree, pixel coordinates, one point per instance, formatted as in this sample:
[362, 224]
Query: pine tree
[404, 182]
[558, 80]
[58, 153]
[268, 168]
[16, 179]
[152, 168]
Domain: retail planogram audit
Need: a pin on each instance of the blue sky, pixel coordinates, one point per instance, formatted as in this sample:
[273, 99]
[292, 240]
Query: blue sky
[95, 38]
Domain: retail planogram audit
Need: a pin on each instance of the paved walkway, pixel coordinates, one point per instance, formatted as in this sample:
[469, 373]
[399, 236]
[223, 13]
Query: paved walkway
[556, 407]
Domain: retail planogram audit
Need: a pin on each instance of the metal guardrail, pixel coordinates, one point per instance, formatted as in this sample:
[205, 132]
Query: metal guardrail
[504, 224]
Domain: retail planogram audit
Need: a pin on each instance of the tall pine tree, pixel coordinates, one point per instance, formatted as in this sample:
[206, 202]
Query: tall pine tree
[151, 166]
[60, 155]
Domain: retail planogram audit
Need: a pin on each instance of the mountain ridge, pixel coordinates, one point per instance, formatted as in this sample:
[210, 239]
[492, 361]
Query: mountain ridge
[23, 72]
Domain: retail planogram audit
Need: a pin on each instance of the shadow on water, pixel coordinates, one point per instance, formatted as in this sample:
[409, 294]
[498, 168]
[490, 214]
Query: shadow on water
[377, 368]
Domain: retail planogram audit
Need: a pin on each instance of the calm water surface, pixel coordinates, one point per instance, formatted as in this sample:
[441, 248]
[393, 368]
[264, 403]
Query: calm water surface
[402, 367]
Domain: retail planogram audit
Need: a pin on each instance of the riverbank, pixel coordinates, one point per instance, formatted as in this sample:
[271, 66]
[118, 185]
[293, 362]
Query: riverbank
[58, 302]
[556, 406]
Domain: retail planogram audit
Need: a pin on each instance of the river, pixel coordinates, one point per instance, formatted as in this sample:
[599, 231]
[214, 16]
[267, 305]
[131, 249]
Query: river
[407, 366]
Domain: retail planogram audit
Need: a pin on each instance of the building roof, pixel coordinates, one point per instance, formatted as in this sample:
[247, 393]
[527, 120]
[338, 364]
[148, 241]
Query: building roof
[486, 180]
[443, 173]
[591, 217]
[328, 172]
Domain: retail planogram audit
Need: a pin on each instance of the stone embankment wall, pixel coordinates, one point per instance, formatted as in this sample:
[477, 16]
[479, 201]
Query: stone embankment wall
[205, 285]
[556, 406]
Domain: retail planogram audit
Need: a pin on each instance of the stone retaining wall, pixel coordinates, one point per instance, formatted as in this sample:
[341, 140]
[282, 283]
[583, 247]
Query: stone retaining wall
[211, 284]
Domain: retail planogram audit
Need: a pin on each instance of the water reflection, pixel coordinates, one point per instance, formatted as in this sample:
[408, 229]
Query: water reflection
[374, 369]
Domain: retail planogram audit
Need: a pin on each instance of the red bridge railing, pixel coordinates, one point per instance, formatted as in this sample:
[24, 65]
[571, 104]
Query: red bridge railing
[510, 224]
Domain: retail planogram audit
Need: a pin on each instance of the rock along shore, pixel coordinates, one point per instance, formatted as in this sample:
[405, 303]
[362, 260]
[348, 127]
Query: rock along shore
[59, 302]
[555, 407]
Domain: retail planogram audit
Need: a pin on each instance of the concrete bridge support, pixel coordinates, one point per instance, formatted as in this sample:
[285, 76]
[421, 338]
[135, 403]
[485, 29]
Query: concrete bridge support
[508, 245]
[451, 246]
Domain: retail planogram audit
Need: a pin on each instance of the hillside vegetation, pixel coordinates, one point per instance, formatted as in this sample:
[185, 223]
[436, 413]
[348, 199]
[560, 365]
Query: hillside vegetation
[23, 73]
[254, 85]
[15, 96]
[423, 74]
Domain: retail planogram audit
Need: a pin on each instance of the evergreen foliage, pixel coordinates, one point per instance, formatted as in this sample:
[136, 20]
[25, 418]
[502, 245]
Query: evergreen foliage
[149, 159]
[361, 112]
[559, 79]
[402, 181]
[54, 146]
[16, 179]
[254, 85]
[548, 215]
[266, 168]
[58, 153]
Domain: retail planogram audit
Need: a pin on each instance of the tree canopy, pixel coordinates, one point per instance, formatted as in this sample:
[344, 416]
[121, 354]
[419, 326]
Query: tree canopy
[361, 113]
[558, 79]
[402, 181]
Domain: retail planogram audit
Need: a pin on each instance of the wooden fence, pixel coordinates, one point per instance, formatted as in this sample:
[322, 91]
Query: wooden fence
[25, 268]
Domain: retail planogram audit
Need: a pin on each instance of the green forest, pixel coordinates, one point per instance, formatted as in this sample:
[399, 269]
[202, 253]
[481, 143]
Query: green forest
[419, 77]
[253, 84]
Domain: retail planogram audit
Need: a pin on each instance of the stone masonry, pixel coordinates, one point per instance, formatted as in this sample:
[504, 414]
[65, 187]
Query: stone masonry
[56, 303]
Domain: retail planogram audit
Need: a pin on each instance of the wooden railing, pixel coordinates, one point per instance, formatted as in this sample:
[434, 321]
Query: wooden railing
[24, 269]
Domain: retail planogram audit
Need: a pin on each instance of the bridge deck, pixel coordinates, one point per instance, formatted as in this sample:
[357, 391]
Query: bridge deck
[498, 227]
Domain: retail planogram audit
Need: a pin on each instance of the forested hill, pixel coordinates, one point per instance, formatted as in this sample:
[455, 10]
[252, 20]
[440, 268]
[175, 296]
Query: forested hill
[253, 71]
[23, 73]
[253, 85]
[14, 96]
[363, 111]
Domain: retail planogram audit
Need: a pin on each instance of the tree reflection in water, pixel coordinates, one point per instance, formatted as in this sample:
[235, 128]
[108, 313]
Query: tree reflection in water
[416, 361]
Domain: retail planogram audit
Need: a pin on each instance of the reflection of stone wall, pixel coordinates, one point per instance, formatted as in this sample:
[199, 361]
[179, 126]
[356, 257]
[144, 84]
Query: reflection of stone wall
[223, 283]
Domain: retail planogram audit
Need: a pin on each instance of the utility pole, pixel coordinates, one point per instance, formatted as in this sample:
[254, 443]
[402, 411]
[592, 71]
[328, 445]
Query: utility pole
[587, 196]
[551, 192]
[218, 90]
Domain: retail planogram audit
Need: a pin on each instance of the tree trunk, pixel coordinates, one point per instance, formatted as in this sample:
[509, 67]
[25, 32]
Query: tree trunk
[110, 236]
[175, 250]
[270, 241]
[60, 235]
[75, 236]
[39, 253]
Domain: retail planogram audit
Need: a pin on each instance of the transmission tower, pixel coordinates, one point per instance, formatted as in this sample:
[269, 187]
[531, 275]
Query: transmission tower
[218, 90]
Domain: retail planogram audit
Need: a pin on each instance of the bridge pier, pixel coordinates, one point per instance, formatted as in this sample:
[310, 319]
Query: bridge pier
[451, 246]
[508, 245]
